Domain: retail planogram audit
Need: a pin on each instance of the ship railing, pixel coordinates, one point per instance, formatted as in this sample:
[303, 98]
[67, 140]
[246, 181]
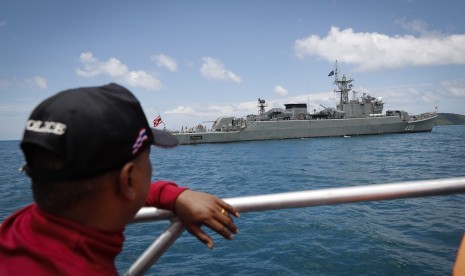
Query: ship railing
[351, 194]
[423, 116]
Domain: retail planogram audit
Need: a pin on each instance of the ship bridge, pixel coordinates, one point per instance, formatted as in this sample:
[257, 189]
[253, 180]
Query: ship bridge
[298, 110]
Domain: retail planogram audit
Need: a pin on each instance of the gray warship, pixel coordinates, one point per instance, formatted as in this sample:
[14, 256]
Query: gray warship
[357, 116]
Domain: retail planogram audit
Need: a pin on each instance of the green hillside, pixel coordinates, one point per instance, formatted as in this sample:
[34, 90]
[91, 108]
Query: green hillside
[450, 119]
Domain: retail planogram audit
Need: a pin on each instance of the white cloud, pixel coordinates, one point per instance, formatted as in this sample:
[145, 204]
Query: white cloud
[372, 51]
[278, 89]
[165, 61]
[193, 114]
[454, 88]
[415, 26]
[180, 110]
[416, 97]
[214, 110]
[141, 79]
[214, 69]
[117, 70]
[36, 82]
[2, 24]
[250, 107]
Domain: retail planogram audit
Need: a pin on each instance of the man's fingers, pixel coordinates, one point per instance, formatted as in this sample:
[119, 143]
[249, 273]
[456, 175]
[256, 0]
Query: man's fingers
[228, 224]
[226, 220]
[224, 226]
[201, 236]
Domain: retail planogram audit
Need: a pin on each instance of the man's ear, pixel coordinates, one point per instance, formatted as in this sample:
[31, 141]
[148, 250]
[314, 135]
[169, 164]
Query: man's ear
[126, 183]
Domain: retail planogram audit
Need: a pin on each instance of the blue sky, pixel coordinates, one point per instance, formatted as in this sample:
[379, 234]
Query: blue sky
[193, 61]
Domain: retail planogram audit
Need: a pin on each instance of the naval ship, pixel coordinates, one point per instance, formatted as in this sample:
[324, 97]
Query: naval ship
[357, 116]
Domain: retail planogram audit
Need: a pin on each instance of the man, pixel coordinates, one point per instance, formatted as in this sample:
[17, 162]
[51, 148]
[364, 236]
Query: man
[87, 152]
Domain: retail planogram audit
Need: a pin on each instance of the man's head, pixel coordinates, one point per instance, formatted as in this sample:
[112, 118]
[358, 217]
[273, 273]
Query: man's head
[80, 134]
[93, 129]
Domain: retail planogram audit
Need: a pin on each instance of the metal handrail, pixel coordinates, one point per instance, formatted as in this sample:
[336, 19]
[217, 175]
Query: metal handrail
[299, 199]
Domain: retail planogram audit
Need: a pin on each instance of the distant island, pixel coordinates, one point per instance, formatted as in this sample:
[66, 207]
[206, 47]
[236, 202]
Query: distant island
[450, 119]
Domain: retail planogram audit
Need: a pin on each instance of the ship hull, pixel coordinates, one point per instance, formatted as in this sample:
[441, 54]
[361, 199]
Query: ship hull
[293, 129]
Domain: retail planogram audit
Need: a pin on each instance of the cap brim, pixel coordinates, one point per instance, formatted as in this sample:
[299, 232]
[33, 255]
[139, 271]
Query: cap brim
[164, 139]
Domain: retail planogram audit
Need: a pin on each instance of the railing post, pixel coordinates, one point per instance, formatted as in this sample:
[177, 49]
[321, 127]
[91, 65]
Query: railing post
[156, 249]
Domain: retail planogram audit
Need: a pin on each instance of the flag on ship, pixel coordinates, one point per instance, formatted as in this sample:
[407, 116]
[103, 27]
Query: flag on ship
[331, 73]
[157, 121]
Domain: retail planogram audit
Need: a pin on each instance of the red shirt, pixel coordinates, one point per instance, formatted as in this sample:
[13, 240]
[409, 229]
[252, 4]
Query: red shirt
[33, 242]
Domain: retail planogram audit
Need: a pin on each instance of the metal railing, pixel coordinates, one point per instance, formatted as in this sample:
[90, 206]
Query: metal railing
[299, 199]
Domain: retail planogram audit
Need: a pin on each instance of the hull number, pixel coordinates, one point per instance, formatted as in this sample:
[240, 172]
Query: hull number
[409, 127]
[196, 137]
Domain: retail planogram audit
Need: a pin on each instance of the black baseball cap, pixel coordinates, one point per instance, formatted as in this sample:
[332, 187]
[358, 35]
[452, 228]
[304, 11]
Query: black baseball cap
[92, 129]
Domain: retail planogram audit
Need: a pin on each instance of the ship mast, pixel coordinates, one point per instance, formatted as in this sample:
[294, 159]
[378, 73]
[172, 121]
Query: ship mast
[261, 105]
[344, 85]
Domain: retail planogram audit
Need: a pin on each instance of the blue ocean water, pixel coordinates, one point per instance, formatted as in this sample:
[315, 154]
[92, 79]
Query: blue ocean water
[418, 236]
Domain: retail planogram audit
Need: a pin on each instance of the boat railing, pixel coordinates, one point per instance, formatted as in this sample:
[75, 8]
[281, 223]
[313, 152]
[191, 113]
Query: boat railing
[351, 194]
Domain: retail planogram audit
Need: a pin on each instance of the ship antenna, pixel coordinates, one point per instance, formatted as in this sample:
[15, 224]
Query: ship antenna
[336, 72]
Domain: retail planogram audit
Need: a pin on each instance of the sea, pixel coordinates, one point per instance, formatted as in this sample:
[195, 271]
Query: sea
[416, 236]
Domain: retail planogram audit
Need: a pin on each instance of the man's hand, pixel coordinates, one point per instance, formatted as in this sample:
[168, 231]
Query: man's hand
[195, 209]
